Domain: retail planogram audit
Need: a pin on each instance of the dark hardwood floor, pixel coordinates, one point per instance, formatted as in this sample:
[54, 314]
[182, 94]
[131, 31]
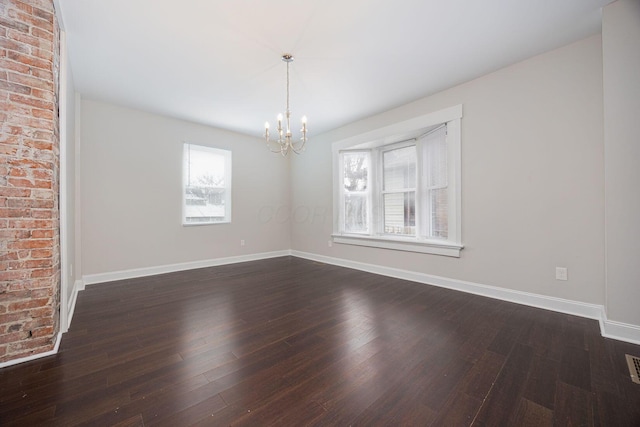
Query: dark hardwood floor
[291, 342]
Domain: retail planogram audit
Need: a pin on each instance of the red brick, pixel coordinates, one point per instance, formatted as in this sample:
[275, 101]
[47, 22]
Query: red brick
[30, 81]
[33, 102]
[11, 317]
[30, 203]
[14, 87]
[42, 214]
[15, 109]
[28, 60]
[44, 54]
[15, 192]
[23, 285]
[47, 16]
[8, 256]
[42, 74]
[42, 234]
[10, 150]
[20, 182]
[42, 293]
[18, 172]
[46, 95]
[27, 304]
[20, 294]
[30, 223]
[27, 183]
[29, 163]
[42, 194]
[31, 20]
[9, 131]
[42, 312]
[42, 272]
[42, 332]
[38, 144]
[42, 173]
[14, 275]
[15, 46]
[42, 34]
[32, 122]
[42, 4]
[10, 23]
[31, 244]
[14, 213]
[43, 114]
[23, 7]
[31, 40]
[13, 337]
[41, 253]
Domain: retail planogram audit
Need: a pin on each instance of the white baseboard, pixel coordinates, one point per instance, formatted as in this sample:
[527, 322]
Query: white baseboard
[34, 356]
[620, 331]
[608, 328]
[78, 286]
[92, 279]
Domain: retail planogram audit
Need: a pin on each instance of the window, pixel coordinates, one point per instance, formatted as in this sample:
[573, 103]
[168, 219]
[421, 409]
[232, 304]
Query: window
[399, 187]
[206, 185]
[357, 194]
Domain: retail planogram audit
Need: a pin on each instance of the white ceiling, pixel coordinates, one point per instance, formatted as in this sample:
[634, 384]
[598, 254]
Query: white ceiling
[217, 62]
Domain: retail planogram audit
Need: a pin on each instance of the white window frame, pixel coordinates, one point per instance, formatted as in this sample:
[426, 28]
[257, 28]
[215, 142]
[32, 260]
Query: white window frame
[369, 198]
[226, 154]
[397, 133]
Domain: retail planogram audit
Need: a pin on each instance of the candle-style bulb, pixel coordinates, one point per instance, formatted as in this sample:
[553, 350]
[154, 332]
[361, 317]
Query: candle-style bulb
[266, 125]
[279, 117]
[304, 120]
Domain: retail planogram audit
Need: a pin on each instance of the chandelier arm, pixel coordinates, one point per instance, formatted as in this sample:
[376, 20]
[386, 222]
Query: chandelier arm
[298, 149]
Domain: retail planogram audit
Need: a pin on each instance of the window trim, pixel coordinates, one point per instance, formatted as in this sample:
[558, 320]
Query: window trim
[398, 133]
[227, 155]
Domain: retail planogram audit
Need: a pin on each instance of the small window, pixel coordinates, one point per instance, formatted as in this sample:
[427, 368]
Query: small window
[206, 185]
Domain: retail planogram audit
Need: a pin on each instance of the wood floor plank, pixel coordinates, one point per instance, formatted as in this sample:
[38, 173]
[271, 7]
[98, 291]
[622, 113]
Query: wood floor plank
[540, 384]
[504, 396]
[574, 406]
[287, 341]
[530, 414]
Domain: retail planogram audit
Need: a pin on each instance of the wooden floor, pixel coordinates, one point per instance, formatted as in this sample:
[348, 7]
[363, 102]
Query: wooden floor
[291, 342]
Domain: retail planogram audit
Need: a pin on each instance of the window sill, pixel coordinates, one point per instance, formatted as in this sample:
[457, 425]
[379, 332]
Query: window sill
[401, 244]
[196, 224]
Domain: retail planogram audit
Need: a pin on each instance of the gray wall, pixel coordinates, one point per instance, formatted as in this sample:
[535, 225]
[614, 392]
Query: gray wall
[69, 197]
[131, 193]
[533, 179]
[621, 51]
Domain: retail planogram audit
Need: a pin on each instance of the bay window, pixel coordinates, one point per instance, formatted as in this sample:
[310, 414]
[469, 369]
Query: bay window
[399, 188]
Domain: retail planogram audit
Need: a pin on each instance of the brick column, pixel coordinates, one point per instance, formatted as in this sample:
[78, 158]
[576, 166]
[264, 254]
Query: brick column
[29, 161]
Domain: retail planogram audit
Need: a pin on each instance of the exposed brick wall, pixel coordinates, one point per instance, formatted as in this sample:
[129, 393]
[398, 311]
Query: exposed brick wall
[29, 161]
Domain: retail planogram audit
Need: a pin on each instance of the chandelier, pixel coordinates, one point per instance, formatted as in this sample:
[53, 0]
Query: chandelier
[285, 141]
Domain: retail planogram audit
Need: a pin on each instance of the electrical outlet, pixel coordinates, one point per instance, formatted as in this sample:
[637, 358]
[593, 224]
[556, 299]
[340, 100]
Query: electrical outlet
[242, 242]
[561, 273]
